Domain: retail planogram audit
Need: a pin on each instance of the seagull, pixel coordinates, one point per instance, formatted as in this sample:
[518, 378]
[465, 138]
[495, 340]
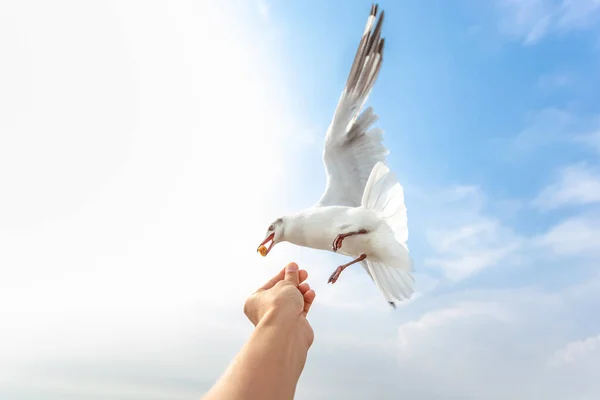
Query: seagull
[362, 213]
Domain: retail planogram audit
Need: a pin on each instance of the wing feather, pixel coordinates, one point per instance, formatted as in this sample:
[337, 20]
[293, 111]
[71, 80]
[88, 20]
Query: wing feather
[352, 146]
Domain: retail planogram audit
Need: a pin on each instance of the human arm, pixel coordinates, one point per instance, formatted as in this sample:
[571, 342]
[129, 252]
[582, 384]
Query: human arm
[270, 363]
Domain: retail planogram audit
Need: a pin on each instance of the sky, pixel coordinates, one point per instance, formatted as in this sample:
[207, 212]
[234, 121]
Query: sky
[146, 146]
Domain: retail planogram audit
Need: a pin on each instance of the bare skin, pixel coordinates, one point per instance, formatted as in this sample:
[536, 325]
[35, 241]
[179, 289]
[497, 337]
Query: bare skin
[270, 363]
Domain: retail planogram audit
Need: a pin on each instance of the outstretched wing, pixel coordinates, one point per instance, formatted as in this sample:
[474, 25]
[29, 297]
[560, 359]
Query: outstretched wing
[352, 146]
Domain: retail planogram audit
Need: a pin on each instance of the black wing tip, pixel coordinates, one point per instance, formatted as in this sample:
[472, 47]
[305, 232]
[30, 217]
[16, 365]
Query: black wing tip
[380, 21]
[374, 8]
[391, 303]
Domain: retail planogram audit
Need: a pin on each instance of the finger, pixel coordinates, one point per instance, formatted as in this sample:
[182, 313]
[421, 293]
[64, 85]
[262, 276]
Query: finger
[273, 280]
[304, 287]
[303, 274]
[291, 274]
[309, 297]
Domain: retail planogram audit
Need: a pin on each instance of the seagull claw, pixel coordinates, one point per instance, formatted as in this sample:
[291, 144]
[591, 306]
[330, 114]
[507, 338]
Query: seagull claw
[338, 271]
[336, 274]
[337, 243]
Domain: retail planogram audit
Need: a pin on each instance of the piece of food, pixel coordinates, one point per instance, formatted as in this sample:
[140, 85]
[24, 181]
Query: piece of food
[262, 250]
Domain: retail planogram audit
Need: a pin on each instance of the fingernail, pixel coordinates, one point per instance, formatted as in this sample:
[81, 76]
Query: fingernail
[292, 267]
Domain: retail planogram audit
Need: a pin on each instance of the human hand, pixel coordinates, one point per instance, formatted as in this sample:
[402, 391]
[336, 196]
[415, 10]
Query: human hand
[285, 298]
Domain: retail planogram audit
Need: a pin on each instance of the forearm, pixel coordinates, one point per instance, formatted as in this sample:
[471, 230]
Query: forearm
[268, 366]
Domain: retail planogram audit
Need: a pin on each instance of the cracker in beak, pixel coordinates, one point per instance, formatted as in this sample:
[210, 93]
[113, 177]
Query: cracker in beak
[262, 249]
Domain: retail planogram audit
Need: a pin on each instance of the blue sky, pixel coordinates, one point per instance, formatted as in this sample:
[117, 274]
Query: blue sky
[137, 178]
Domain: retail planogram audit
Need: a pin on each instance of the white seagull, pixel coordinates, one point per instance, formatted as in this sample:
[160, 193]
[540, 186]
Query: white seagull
[362, 212]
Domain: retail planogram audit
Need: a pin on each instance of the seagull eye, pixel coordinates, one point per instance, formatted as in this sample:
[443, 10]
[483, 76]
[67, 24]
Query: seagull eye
[271, 227]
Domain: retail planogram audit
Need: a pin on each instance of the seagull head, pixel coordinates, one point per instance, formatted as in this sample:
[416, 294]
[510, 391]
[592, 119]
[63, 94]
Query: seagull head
[274, 235]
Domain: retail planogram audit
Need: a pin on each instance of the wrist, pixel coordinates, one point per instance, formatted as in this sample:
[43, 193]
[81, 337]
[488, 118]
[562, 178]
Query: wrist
[295, 328]
[277, 317]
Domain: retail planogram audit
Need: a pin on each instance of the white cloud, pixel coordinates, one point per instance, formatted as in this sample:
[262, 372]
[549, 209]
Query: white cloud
[578, 14]
[555, 81]
[545, 127]
[592, 140]
[466, 240]
[494, 344]
[575, 351]
[577, 184]
[552, 127]
[438, 318]
[532, 20]
[576, 236]
[528, 20]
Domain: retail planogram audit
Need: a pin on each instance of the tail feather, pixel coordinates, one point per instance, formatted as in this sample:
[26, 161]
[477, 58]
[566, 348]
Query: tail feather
[384, 195]
[395, 284]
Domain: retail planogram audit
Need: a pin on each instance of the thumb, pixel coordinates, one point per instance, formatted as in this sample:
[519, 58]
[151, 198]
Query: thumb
[291, 274]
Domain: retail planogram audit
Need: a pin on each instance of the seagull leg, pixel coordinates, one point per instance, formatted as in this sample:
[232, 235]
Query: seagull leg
[337, 242]
[336, 274]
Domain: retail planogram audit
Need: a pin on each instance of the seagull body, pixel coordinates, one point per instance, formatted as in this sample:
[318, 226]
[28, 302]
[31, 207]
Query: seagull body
[362, 213]
[317, 228]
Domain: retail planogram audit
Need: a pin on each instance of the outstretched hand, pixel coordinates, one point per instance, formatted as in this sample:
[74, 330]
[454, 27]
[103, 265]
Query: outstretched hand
[285, 298]
[270, 363]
